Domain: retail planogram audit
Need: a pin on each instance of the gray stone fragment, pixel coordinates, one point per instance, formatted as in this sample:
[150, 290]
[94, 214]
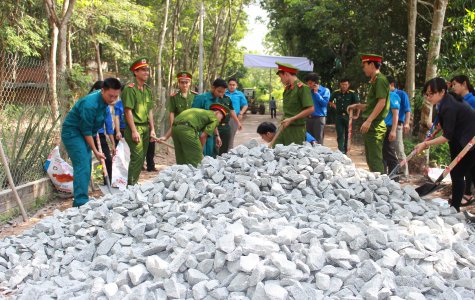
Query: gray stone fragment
[240, 283]
[138, 274]
[157, 266]
[275, 291]
[194, 276]
[174, 289]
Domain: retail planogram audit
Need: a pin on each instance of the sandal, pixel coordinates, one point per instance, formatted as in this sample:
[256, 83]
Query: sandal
[469, 200]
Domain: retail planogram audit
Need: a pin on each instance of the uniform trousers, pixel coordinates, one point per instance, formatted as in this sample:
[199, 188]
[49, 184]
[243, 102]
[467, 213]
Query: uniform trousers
[232, 133]
[188, 149]
[80, 154]
[373, 144]
[341, 124]
[291, 134]
[225, 135]
[137, 151]
[150, 156]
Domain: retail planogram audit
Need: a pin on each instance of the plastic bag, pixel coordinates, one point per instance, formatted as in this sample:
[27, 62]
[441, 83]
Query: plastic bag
[434, 173]
[60, 172]
[120, 165]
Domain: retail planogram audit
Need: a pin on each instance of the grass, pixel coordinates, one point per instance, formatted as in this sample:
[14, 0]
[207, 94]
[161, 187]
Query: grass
[12, 213]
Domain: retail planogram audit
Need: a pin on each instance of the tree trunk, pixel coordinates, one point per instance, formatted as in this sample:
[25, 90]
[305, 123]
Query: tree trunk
[161, 100]
[176, 18]
[433, 54]
[52, 71]
[411, 48]
[231, 29]
[69, 50]
[100, 75]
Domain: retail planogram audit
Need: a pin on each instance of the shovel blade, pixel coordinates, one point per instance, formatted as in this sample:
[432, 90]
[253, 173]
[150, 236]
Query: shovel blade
[427, 188]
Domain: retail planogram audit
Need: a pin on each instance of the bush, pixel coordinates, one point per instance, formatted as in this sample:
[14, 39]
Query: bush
[438, 156]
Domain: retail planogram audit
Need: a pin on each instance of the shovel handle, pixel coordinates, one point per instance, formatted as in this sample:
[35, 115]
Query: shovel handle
[456, 160]
[279, 130]
[103, 163]
[350, 131]
[165, 143]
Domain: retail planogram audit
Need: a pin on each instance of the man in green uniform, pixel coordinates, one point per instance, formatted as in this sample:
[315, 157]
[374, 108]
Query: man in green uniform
[191, 130]
[374, 111]
[139, 130]
[340, 100]
[297, 104]
[204, 101]
[179, 101]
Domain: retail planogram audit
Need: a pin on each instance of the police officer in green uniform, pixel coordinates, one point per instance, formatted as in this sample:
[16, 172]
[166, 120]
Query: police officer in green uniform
[297, 105]
[374, 111]
[340, 100]
[204, 101]
[191, 129]
[179, 101]
[139, 131]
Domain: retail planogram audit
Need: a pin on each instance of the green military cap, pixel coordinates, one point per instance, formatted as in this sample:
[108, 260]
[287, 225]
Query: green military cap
[184, 75]
[281, 67]
[224, 109]
[139, 63]
[371, 57]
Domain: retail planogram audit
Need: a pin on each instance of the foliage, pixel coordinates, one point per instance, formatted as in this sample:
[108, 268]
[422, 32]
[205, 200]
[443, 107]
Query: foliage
[79, 81]
[438, 155]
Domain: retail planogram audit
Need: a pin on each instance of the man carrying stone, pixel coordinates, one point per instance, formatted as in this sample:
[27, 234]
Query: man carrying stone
[137, 100]
[404, 121]
[340, 100]
[320, 96]
[374, 111]
[240, 107]
[297, 104]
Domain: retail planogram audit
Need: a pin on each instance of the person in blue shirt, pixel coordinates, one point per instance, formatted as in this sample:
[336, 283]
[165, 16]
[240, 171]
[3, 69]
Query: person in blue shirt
[267, 132]
[462, 87]
[404, 121]
[320, 95]
[79, 129]
[119, 121]
[389, 144]
[240, 107]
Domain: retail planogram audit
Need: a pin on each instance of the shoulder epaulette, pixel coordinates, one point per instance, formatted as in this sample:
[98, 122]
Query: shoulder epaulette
[193, 92]
[337, 91]
[351, 91]
[299, 84]
[131, 85]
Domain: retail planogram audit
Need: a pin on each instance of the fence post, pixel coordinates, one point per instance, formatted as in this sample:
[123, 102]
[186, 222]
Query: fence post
[10, 181]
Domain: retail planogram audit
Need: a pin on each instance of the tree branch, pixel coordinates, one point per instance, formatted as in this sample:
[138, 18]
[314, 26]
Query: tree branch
[425, 3]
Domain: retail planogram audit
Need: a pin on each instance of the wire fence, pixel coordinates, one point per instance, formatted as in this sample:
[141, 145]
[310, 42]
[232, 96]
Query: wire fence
[28, 130]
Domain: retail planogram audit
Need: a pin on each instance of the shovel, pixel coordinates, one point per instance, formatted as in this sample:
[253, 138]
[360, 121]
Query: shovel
[394, 172]
[279, 130]
[103, 163]
[430, 187]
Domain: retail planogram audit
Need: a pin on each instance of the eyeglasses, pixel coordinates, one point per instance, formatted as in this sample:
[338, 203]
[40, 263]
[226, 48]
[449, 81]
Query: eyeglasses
[429, 94]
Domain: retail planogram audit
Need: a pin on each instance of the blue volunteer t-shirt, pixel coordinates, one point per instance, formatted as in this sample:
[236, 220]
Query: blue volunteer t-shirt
[470, 98]
[405, 105]
[394, 104]
[119, 111]
[238, 99]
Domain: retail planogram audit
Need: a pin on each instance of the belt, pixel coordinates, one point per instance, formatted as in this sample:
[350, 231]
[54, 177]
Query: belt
[184, 124]
[315, 117]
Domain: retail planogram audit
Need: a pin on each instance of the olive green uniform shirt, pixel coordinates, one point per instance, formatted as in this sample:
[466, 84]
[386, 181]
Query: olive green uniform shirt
[199, 119]
[139, 101]
[378, 89]
[343, 100]
[178, 103]
[297, 97]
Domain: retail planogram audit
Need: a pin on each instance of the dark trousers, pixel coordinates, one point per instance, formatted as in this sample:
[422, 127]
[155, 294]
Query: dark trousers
[341, 125]
[107, 153]
[316, 126]
[389, 152]
[150, 156]
[465, 166]
[273, 112]
[468, 184]
[225, 134]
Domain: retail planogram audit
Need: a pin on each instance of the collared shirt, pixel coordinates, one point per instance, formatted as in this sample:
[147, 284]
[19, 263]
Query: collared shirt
[343, 100]
[178, 103]
[119, 112]
[87, 115]
[395, 101]
[108, 122]
[404, 103]
[378, 89]
[200, 119]
[272, 104]
[205, 100]
[139, 101]
[320, 101]
[470, 99]
[239, 100]
[297, 97]
[457, 120]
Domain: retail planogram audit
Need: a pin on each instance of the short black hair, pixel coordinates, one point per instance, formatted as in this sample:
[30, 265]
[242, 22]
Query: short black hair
[266, 127]
[220, 82]
[232, 79]
[344, 79]
[376, 64]
[312, 77]
[436, 85]
[96, 86]
[111, 83]
[391, 80]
